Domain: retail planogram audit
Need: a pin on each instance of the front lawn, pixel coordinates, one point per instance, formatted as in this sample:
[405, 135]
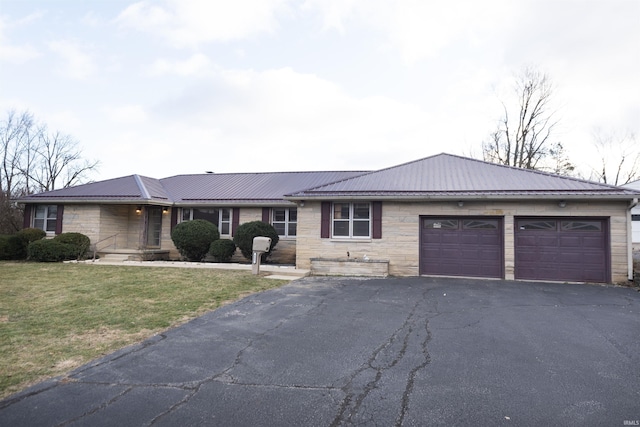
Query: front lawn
[56, 317]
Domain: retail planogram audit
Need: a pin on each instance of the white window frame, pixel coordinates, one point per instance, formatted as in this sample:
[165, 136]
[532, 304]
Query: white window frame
[221, 219]
[46, 219]
[351, 220]
[287, 221]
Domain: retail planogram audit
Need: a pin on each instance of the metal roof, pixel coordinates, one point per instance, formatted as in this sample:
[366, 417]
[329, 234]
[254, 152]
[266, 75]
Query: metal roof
[233, 188]
[448, 176]
[126, 189]
[443, 176]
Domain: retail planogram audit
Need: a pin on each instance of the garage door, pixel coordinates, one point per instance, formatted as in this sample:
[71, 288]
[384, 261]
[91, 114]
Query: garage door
[565, 249]
[461, 246]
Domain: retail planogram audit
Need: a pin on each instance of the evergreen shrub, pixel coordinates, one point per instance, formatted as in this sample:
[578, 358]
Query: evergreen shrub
[78, 241]
[193, 238]
[222, 250]
[245, 233]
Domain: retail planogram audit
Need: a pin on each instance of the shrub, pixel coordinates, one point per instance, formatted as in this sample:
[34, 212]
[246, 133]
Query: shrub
[11, 247]
[246, 232]
[222, 250]
[28, 235]
[51, 250]
[193, 238]
[78, 241]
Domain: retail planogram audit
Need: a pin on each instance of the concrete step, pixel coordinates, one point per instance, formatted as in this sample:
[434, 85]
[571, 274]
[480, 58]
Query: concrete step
[115, 257]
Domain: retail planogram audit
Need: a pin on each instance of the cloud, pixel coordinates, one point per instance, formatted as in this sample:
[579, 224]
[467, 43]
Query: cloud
[126, 114]
[78, 64]
[195, 64]
[16, 53]
[192, 22]
[417, 29]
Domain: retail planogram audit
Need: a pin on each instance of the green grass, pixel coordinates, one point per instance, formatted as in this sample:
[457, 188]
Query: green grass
[55, 317]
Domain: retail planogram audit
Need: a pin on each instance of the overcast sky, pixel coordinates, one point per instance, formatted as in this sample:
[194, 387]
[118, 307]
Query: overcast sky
[161, 88]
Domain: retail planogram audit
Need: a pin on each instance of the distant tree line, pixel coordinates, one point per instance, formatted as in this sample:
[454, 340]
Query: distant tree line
[34, 159]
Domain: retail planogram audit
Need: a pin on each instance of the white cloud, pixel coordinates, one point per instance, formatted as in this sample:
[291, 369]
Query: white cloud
[191, 22]
[126, 114]
[418, 29]
[16, 53]
[78, 64]
[195, 64]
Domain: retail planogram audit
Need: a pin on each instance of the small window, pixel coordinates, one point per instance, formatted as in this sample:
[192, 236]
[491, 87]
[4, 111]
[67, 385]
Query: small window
[440, 224]
[537, 225]
[45, 218]
[635, 217]
[488, 224]
[285, 221]
[582, 225]
[351, 220]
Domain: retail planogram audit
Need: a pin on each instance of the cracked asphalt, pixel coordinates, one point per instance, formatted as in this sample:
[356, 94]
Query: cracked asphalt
[388, 352]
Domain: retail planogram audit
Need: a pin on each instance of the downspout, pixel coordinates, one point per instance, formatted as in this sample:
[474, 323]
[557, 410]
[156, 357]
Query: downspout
[632, 204]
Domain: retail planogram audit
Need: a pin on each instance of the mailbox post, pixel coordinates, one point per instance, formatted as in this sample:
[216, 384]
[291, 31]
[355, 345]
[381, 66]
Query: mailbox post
[260, 245]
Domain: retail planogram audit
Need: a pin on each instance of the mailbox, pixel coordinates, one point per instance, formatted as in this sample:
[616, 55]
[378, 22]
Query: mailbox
[261, 244]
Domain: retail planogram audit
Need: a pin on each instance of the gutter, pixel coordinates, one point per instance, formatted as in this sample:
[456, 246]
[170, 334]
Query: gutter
[632, 204]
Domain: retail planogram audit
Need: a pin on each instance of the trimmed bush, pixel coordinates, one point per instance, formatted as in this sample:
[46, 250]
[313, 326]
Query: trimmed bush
[222, 250]
[11, 247]
[78, 241]
[28, 235]
[246, 232]
[50, 250]
[193, 238]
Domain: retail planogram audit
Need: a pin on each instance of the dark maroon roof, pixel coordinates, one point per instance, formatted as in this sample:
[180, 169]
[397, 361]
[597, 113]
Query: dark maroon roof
[440, 176]
[446, 175]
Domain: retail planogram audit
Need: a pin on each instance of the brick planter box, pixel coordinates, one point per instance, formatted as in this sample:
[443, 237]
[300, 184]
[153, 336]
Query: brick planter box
[349, 267]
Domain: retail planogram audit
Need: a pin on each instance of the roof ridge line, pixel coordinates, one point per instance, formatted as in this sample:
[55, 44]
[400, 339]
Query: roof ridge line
[142, 187]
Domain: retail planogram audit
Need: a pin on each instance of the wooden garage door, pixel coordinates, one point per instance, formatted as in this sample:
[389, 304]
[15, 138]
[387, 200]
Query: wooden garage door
[461, 246]
[565, 249]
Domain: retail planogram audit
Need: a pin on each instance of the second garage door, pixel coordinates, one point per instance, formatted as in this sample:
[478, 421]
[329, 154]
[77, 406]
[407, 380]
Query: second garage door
[564, 249]
[461, 246]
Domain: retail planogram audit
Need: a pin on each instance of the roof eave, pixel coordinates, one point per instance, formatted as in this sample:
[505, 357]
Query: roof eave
[458, 196]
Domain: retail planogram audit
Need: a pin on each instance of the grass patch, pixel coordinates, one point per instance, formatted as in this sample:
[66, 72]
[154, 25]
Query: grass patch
[56, 317]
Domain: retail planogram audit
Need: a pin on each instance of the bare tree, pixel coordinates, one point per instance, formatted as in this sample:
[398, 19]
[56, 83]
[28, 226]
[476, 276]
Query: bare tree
[16, 132]
[619, 158]
[523, 135]
[58, 161]
[32, 159]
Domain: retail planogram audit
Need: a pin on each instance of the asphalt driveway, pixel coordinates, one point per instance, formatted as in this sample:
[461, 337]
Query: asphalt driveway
[332, 352]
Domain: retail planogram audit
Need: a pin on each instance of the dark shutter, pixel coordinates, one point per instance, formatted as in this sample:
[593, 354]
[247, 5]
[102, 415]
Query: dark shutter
[59, 219]
[235, 221]
[26, 222]
[325, 220]
[265, 215]
[377, 219]
[174, 217]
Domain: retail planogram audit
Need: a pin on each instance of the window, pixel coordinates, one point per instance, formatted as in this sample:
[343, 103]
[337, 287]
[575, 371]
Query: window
[221, 217]
[351, 220]
[582, 225]
[440, 224]
[45, 218]
[537, 225]
[285, 221]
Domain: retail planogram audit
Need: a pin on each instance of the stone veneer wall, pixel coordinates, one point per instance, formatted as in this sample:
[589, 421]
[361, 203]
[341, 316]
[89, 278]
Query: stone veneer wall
[400, 231]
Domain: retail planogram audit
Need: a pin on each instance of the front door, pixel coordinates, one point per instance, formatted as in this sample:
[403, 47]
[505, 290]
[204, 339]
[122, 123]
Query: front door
[154, 226]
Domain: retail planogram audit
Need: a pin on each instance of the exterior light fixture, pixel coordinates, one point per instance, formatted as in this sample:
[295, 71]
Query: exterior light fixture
[460, 204]
[165, 209]
[138, 209]
[562, 203]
